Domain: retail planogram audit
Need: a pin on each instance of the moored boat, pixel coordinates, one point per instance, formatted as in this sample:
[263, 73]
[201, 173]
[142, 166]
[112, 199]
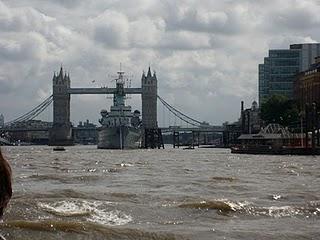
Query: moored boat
[59, 148]
[120, 128]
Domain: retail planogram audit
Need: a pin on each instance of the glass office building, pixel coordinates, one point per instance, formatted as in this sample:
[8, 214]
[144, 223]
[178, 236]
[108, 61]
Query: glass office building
[277, 73]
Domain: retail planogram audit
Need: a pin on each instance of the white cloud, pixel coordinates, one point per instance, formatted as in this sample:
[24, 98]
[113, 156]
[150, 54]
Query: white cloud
[206, 53]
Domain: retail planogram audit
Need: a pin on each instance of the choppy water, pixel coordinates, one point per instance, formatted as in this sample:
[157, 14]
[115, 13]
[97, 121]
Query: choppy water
[86, 193]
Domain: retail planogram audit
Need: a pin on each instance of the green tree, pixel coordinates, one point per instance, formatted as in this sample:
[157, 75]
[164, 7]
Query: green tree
[280, 109]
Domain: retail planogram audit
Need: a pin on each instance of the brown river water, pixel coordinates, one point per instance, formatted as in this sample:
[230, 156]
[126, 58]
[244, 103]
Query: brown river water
[86, 193]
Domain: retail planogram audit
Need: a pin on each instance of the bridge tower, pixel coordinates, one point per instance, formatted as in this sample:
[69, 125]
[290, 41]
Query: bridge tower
[152, 137]
[61, 131]
[149, 85]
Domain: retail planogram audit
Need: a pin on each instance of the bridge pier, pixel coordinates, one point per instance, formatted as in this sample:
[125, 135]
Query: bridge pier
[153, 138]
[176, 139]
[225, 138]
[60, 135]
[193, 139]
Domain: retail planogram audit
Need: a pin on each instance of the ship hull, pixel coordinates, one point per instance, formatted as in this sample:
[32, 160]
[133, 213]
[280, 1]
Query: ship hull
[123, 137]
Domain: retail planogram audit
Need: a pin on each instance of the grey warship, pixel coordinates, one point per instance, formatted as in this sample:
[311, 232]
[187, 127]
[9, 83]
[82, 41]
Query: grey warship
[120, 128]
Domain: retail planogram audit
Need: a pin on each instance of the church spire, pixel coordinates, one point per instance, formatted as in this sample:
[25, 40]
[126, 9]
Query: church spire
[149, 72]
[61, 71]
[143, 75]
[54, 76]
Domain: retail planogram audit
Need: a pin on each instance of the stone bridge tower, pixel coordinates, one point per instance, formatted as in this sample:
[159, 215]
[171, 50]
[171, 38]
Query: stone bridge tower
[149, 85]
[152, 137]
[61, 131]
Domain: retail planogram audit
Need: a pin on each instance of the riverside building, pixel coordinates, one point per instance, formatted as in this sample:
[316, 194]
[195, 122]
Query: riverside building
[277, 73]
[307, 85]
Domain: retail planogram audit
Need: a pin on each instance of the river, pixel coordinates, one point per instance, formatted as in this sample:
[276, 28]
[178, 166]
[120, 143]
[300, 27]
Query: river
[86, 193]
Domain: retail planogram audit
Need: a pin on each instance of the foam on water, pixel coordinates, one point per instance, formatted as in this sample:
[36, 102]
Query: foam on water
[123, 164]
[276, 197]
[284, 211]
[102, 216]
[67, 208]
[247, 208]
[114, 217]
[93, 211]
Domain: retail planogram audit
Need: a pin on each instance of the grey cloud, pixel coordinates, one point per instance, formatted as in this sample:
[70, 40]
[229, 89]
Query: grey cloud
[203, 19]
[184, 41]
[302, 18]
[70, 3]
[200, 20]
[22, 19]
[290, 17]
[111, 29]
[284, 40]
[31, 46]
[146, 32]
[7, 86]
[207, 50]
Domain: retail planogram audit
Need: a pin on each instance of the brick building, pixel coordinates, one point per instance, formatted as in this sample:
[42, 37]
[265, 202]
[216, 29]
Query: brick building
[307, 85]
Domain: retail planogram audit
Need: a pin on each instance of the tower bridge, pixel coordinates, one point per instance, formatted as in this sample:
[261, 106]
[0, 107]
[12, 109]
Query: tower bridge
[60, 133]
[103, 90]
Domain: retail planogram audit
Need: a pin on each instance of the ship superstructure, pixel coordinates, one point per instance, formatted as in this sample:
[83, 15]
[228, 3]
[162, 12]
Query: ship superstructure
[121, 128]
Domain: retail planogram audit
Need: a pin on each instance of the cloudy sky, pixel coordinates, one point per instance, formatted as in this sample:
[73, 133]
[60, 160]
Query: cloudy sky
[206, 53]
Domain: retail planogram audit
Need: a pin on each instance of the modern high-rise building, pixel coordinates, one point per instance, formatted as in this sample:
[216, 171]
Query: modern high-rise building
[277, 73]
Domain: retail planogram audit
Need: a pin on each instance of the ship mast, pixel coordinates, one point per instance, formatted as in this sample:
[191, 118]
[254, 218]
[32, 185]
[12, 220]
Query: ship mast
[119, 100]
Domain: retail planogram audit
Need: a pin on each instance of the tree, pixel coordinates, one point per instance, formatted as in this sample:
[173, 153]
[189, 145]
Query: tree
[280, 109]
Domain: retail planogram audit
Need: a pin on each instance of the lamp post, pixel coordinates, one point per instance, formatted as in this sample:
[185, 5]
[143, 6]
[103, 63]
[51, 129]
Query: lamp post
[313, 114]
[307, 124]
[301, 128]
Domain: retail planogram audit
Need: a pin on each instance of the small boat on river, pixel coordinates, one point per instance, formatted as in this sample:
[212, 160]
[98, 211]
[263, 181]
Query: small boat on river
[59, 148]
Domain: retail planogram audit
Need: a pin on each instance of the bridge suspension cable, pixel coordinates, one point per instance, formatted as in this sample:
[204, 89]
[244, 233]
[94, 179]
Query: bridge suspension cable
[179, 114]
[34, 112]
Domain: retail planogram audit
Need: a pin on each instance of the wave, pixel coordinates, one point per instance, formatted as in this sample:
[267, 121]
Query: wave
[93, 211]
[123, 195]
[88, 230]
[54, 194]
[123, 164]
[45, 177]
[65, 178]
[227, 206]
[217, 205]
[224, 179]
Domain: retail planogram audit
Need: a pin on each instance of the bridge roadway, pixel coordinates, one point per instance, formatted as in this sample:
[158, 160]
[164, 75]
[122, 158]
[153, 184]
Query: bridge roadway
[194, 129]
[23, 129]
[102, 90]
[164, 130]
[38, 129]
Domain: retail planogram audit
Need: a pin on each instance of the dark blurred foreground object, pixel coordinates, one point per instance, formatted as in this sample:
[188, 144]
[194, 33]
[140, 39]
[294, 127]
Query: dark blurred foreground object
[5, 184]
